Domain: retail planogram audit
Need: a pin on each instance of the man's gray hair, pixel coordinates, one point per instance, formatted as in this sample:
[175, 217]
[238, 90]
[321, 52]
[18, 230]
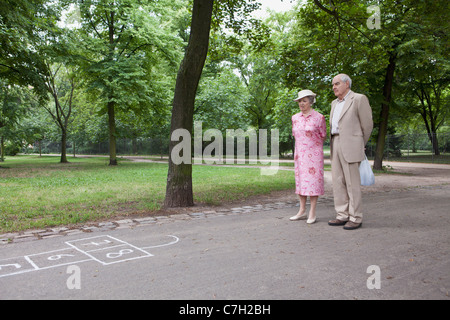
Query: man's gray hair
[346, 78]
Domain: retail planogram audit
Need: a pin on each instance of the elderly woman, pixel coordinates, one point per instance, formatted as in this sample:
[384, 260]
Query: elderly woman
[309, 130]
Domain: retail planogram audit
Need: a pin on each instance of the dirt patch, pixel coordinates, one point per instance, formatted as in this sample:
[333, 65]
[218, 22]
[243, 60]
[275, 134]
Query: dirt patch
[409, 175]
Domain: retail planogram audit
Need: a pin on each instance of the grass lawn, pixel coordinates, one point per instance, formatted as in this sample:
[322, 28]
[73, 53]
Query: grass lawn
[39, 192]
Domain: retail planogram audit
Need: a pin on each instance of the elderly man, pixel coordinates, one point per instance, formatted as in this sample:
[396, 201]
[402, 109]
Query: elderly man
[351, 125]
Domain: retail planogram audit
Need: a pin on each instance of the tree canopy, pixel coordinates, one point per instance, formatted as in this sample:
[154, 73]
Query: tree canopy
[90, 71]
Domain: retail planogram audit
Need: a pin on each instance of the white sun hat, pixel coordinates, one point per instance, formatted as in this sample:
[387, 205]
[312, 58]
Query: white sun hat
[305, 93]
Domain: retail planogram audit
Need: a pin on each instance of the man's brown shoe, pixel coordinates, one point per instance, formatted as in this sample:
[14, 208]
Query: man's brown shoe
[352, 225]
[336, 222]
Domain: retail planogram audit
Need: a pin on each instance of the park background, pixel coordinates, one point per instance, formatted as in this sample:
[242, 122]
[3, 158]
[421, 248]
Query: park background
[98, 77]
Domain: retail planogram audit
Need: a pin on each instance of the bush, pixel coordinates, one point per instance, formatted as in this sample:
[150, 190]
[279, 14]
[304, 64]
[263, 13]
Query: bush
[12, 148]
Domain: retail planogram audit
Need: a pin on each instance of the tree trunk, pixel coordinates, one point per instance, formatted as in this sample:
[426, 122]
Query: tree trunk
[426, 113]
[432, 131]
[63, 146]
[2, 149]
[112, 134]
[110, 104]
[387, 91]
[434, 142]
[61, 120]
[179, 178]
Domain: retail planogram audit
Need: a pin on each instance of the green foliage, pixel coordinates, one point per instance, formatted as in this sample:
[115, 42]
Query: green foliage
[12, 148]
[129, 52]
[221, 102]
[327, 38]
[27, 28]
[15, 103]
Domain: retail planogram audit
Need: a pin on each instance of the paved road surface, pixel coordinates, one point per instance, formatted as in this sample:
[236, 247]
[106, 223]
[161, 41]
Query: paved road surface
[402, 248]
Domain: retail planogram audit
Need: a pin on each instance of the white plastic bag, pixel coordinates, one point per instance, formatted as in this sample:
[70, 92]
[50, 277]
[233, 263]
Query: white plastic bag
[366, 173]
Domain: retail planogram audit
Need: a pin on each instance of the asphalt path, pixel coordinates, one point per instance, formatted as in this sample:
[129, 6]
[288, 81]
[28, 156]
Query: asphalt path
[400, 252]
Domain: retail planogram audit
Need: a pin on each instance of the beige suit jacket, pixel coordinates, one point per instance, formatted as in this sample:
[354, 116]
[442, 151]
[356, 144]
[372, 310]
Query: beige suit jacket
[355, 126]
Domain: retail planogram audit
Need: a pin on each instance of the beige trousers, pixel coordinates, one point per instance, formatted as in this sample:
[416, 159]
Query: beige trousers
[346, 185]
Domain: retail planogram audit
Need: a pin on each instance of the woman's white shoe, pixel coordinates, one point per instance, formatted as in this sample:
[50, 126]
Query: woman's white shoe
[311, 221]
[298, 217]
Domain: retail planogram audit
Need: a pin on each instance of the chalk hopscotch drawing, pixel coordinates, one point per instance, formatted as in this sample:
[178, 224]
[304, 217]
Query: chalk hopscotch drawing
[104, 249]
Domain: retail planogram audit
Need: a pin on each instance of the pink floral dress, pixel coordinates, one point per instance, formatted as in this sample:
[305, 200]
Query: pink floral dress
[309, 133]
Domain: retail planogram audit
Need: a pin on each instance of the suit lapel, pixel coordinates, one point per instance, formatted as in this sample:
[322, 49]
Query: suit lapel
[333, 105]
[347, 104]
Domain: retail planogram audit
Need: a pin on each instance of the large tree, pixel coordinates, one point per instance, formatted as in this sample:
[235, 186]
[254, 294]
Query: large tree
[35, 50]
[232, 14]
[179, 178]
[26, 26]
[348, 36]
[424, 78]
[122, 42]
[61, 83]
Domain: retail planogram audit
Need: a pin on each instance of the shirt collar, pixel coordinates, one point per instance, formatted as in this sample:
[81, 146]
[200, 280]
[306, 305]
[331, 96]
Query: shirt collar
[339, 101]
